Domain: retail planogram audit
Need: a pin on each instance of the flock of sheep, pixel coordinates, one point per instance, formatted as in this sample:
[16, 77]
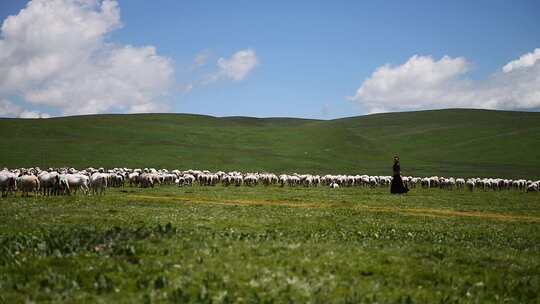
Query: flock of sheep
[65, 181]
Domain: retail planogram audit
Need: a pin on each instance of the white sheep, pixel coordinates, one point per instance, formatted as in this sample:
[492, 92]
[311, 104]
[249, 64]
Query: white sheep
[27, 184]
[8, 182]
[471, 184]
[98, 183]
[77, 182]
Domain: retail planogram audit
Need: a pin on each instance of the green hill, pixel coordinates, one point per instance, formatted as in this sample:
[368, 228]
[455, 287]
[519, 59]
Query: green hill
[441, 142]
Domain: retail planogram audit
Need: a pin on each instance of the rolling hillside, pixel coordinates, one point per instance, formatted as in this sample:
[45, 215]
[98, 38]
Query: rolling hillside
[442, 142]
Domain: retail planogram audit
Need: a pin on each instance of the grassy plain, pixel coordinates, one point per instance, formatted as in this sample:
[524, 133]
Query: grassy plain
[272, 245]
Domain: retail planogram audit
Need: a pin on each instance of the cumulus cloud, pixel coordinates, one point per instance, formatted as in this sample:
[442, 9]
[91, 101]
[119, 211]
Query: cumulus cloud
[55, 53]
[524, 61]
[9, 109]
[425, 83]
[238, 66]
[235, 68]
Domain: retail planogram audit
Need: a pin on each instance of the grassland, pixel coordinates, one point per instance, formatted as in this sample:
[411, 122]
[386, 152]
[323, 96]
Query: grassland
[272, 245]
[442, 142]
[276, 245]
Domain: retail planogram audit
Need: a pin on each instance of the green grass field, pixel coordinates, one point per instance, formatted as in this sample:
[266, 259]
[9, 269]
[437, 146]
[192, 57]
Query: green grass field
[272, 245]
[442, 142]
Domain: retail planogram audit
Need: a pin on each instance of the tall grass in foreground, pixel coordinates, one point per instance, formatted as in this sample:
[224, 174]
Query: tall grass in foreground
[271, 244]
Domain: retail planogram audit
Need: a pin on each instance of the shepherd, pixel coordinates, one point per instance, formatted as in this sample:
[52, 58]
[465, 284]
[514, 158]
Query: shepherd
[397, 186]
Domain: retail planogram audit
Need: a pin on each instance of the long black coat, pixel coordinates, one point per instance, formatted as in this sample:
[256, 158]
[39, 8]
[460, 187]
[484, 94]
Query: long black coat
[397, 185]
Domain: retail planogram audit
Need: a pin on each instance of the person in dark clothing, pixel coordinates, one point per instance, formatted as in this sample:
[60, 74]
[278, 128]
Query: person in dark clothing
[397, 185]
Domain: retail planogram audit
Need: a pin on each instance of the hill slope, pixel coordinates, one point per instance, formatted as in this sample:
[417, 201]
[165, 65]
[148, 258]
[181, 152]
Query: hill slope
[442, 142]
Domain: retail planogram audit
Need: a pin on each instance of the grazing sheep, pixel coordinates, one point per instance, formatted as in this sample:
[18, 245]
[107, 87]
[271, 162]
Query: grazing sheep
[63, 185]
[133, 179]
[27, 184]
[470, 185]
[293, 181]
[316, 181]
[8, 183]
[251, 180]
[373, 181]
[76, 182]
[364, 180]
[460, 183]
[55, 181]
[238, 180]
[146, 180]
[180, 181]
[49, 182]
[426, 183]
[413, 182]
[282, 180]
[189, 179]
[307, 181]
[534, 187]
[98, 183]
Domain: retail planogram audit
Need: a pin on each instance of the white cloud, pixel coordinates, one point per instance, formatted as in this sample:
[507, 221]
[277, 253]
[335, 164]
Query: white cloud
[9, 109]
[186, 88]
[423, 83]
[238, 66]
[524, 61]
[55, 53]
[235, 68]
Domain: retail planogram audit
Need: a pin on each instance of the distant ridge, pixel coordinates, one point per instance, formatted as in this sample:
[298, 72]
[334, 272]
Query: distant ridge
[462, 142]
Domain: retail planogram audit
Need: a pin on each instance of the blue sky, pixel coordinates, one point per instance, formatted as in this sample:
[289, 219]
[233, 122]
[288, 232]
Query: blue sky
[313, 56]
